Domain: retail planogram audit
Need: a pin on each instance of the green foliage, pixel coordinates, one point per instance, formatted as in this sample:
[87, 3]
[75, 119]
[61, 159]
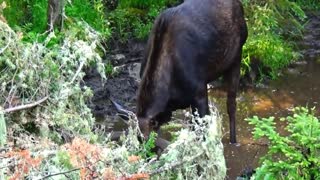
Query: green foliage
[274, 52]
[31, 15]
[134, 18]
[293, 156]
[93, 12]
[309, 4]
[109, 69]
[62, 159]
[144, 4]
[14, 12]
[130, 23]
[271, 24]
[148, 146]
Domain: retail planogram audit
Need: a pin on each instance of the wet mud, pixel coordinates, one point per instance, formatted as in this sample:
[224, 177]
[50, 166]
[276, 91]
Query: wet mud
[298, 86]
[121, 87]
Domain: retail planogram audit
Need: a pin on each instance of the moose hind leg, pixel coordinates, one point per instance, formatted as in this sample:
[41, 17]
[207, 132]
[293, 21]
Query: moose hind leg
[232, 77]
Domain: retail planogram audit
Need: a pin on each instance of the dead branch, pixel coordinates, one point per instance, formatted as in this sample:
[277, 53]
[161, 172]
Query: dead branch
[59, 173]
[26, 106]
[65, 172]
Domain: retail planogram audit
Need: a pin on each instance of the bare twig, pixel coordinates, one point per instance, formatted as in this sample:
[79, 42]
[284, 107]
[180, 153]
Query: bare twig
[67, 172]
[59, 173]
[78, 71]
[26, 106]
[12, 88]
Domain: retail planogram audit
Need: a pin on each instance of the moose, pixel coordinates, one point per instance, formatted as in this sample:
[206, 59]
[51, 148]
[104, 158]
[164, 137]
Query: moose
[189, 46]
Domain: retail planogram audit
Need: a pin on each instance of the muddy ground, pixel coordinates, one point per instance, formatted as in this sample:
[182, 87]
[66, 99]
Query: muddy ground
[123, 85]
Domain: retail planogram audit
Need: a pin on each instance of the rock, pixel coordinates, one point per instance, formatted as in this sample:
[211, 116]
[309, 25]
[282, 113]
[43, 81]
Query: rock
[119, 57]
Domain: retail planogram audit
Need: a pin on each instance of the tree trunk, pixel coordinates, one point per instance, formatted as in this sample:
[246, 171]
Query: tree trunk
[54, 14]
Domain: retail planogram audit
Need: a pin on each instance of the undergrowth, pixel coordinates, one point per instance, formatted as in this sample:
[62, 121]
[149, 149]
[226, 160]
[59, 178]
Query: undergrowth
[271, 25]
[134, 18]
[310, 5]
[92, 12]
[197, 153]
[30, 16]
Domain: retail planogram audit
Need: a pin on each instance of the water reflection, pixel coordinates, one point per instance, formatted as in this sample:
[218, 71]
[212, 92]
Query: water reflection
[298, 86]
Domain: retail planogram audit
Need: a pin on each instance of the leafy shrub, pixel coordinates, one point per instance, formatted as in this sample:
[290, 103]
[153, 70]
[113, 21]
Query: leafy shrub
[271, 24]
[271, 50]
[148, 146]
[294, 156]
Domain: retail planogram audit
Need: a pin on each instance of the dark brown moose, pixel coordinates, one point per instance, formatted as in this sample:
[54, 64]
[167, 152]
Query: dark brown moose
[191, 45]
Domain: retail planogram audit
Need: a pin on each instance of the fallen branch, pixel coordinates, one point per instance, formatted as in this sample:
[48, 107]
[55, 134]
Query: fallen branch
[59, 173]
[64, 173]
[26, 106]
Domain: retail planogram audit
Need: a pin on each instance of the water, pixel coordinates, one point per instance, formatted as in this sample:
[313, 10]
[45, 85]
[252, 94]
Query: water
[298, 86]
